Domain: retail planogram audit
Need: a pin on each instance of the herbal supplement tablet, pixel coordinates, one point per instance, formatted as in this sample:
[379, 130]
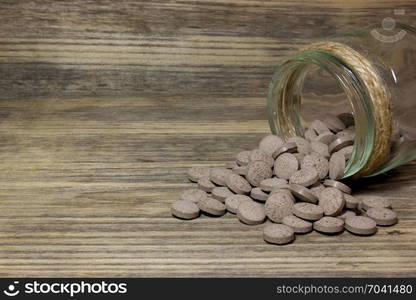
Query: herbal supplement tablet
[338, 185]
[268, 184]
[185, 209]
[329, 225]
[360, 225]
[382, 216]
[302, 193]
[238, 184]
[305, 177]
[334, 123]
[336, 166]
[316, 188]
[326, 138]
[308, 211]
[283, 191]
[257, 172]
[270, 143]
[345, 214]
[299, 157]
[318, 162]
[347, 119]
[243, 158]
[339, 143]
[212, 206]
[196, 173]
[302, 144]
[251, 213]
[279, 187]
[320, 148]
[368, 202]
[258, 194]
[346, 151]
[219, 175]
[350, 201]
[285, 148]
[310, 134]
[232, 202]
[297, 224]
[320, 127]
[240, 170]
[278, 206]
[278, 234]
[332, 201]
[206, 185]
[258, 154]
[220, 193]
[193, 195]
[285, 165]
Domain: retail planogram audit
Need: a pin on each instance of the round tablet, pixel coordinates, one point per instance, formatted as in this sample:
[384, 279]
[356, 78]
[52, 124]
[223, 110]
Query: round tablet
[193, 195]
[360, 225]
[285, 165]
[338, 185]
[232, 202]
[212, 206]
[345, 214]
[382, 216]
[240, 170]
[320, 148]
[297, 224]
[279, 188]
[302, 144]
[332, 201]
[316, 188]
[278, 234]
[206, 185]
[333, 123]
[220, 193]
[329, 225]
[308, 211]
[251, 213]
[219, 175]
[278, 206]
[258, 154]
[238, 184]
[196, 173]
[310, 134]
[346, 151]
[368, 202]
[326, 138]
[350, 201]
[299, 157]
[270, 143]
[302, 193]
[347, 119]
[285, 148]
[268, 184]
[305, 177]
[318, 162]
[185, 209]
[258, 194]
[339, 143]
[320, 127]
[257, 172]
[336, 166]
[243, 158]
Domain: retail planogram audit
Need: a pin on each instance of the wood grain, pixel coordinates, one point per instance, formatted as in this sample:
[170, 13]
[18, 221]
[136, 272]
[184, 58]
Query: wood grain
[105, 104]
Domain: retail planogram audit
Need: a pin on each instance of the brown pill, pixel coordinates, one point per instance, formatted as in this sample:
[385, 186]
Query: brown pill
[332, 201]
[299, 157]
[360, 225]
[232, 202]
[346, 151]
[251, 213]
[310, 134]
[270, 144]
[336, 166]
[339, 143]
[196, 173]
[316, 188]
[382, 216]
[206, 185]
[243, 158]
[240, 170]
[320, 148]
[219, 175]
[345, 214]
[279, 187]
[285, 148]
[285, 165]
[305, 177]
[185, 209]
[338, 185]
[297, 224]
[238, 184]
[347, 119]
[368, 202]
[258, 154]
[212, 206]
[193, 195]
[258, 194]
[283, 191]
[320, 127]
[279, 234]
[303, 145]
[329, 225]
[318, 162]
[221, 193]
[268, 184]
[326, 138]
[257, 172]
[350, 201]
[302, 193]
[308, 211]
[278, 206]
[333, 123]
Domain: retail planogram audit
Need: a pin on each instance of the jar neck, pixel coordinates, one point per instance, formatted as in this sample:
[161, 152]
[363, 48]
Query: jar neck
[284, 102]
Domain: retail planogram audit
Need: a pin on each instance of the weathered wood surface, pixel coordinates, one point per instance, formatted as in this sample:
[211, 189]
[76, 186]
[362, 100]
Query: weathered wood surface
[105, 104]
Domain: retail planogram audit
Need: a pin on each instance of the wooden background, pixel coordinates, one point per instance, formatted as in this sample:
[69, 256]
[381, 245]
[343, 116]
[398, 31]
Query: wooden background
[105, 104]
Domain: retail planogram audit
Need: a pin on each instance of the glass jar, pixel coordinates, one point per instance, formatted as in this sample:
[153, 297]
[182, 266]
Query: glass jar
[372, 75]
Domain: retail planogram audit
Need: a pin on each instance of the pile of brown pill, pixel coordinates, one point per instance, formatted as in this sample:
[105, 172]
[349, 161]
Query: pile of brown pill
[294, 183]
